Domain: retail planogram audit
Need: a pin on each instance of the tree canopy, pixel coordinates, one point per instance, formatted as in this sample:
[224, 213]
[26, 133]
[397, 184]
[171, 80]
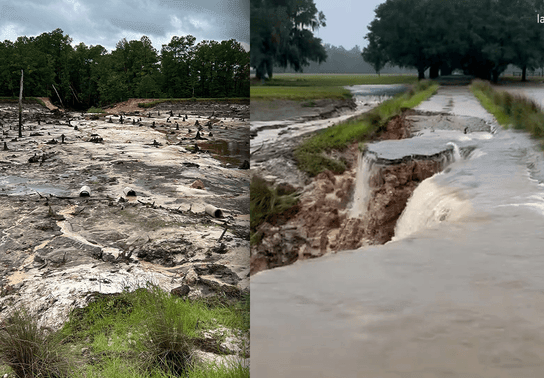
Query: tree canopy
[88, 75]
[282, 35]
[479, 37]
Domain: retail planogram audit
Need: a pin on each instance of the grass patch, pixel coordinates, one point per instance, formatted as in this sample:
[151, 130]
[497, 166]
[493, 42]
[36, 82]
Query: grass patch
[32, 351]
[234, 100]
[334, 80]
[266, 202]
[146, 332]
[26, 100]
[310, 155]
[510, 110]
[298, 93]
[95, 110]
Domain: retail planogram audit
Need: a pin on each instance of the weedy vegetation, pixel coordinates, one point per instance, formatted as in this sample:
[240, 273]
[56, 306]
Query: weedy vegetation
[140, 333]
[510, 110]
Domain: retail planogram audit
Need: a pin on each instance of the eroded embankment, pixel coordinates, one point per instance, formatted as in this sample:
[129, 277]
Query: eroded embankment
[362, 206]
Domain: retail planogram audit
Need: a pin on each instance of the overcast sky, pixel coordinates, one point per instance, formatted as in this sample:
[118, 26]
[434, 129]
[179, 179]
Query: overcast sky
[106, 22]
[346, 21]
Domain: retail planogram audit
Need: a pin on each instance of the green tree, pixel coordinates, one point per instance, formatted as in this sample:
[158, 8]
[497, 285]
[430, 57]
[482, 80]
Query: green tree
[282, 35]
[374, 55]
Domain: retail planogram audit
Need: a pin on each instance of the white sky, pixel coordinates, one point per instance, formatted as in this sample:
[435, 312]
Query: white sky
[347, 21]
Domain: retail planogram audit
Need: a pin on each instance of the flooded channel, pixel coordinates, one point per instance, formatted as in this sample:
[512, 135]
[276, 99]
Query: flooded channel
[457, 292]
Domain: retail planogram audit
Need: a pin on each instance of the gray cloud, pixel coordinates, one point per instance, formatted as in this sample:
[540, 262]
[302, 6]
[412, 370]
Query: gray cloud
[106, 22]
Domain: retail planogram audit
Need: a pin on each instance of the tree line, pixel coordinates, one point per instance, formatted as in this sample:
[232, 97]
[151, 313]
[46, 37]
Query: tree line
[481, 38]
[341, 60]
[87, 76]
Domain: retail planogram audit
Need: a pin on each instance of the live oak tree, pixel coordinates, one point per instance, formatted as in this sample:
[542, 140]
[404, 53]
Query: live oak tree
[282, 35]
[480, 37]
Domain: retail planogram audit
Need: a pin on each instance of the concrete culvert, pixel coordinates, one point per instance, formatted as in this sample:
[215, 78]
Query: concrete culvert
[214, 211]
[85, 191]
[129, 192]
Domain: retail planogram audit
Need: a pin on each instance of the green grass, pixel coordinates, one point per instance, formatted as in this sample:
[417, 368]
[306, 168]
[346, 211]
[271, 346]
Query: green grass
[95, 110]
[310, 154]
[510, 110]
[30, 350]
[299, 87]
[265, 202]
[333, 80]
[25, 100]
[141, 333]
[298, 93]
[160, 101]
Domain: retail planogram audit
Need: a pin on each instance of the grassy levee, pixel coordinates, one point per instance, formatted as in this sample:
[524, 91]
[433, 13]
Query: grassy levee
[311, 156]
[300, 87]
[511, 110]
[142, 333]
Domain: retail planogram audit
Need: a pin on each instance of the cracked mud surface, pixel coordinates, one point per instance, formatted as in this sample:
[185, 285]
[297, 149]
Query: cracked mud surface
[57, 247]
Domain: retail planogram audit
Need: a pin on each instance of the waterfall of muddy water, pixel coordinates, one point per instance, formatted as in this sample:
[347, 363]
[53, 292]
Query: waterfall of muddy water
[460, 297]
[366, 168]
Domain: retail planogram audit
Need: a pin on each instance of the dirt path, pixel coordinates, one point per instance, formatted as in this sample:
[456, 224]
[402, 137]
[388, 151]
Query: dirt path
[129, 106]
[48, 103]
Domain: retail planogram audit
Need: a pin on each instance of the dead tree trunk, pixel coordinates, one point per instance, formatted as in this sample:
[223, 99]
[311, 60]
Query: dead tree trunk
[21, 107]
[58, 96]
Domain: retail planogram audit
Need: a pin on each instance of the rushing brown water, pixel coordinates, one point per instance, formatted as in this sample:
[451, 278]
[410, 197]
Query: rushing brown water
[458, 293]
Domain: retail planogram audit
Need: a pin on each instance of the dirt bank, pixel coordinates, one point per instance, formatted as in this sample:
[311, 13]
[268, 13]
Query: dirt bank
[324, 221]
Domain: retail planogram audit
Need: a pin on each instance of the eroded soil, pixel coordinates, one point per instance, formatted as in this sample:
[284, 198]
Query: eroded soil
[58, 247]
[325, 221]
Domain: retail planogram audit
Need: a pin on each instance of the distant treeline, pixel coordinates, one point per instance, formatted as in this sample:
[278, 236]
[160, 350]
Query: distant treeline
[340, 60]
[89, 76]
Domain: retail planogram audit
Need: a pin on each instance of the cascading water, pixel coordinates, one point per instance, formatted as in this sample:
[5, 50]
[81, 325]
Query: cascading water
[429, 205]
[366, 168]
[456, 151]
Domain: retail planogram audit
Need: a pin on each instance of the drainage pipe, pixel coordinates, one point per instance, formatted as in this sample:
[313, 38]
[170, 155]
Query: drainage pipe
[214, 211]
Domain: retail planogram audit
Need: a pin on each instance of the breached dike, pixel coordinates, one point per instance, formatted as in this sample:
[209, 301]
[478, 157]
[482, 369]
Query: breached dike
[388, 174]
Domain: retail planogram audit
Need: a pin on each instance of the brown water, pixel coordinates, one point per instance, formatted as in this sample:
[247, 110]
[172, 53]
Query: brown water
[460, 294]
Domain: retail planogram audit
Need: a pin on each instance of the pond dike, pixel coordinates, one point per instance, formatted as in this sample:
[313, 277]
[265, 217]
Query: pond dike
[363, 205]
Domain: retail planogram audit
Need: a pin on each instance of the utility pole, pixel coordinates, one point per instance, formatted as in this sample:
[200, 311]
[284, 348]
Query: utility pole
[21, 107]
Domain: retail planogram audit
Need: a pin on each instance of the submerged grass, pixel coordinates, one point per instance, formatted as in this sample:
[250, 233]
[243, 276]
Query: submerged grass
[510, 110]
[141, 333]
[310, 154]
